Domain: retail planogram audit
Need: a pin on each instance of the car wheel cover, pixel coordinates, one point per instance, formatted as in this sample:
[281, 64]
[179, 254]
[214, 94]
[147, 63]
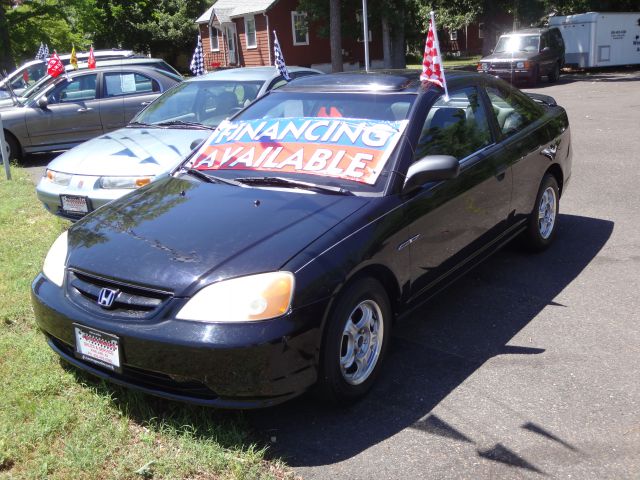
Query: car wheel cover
[547, 213]
[361, 342]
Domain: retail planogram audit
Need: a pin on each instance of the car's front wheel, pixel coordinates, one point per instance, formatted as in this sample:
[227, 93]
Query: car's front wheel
[543, 220]
[357, 335]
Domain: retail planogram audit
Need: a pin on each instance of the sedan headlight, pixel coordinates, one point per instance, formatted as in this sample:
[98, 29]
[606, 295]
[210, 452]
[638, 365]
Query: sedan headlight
[58, 178]
[124, 182]
[245, 299]
[54, 262]
[520, 65]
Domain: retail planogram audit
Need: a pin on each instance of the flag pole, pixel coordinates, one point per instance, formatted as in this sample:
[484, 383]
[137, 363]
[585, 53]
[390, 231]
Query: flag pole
[435, 39]
[365, 26]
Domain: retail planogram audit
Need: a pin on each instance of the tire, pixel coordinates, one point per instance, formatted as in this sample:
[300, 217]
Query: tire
[554, 74]
[543, 220]
[356, 340]
[13, 147]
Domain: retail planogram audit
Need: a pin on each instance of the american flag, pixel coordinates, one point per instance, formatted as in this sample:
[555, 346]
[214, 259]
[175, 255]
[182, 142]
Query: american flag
[432, 70]
[279, 58]
[197, 62]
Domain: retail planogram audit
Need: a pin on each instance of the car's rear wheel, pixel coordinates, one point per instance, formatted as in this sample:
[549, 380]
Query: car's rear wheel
[554, 74]
[357, 335]
[543, 221]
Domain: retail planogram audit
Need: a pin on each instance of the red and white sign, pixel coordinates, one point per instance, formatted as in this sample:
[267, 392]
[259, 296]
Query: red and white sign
[97, 347]
[54, 65]
[350, 149]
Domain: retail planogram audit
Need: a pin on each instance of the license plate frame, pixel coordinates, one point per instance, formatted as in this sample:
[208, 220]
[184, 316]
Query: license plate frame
[75, 204]
[98, 347]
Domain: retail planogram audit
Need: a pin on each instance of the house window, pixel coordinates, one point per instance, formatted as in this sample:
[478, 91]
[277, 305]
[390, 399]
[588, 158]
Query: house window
[453, 35]
[299, 28]
[213, 38]
[481, 30]
[250, 31]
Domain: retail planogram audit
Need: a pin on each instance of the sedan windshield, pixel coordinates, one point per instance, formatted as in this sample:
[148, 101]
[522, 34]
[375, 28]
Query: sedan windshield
[205, 102]
[342, 140]
[517, 43]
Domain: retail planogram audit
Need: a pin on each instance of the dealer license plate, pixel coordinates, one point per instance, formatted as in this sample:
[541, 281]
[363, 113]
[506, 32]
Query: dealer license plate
[98, 347]
[74, 203]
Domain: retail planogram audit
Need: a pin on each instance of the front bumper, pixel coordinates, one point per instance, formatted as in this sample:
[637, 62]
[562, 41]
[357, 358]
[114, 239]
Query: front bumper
[81, 185]
[512, 76]
[249, 365]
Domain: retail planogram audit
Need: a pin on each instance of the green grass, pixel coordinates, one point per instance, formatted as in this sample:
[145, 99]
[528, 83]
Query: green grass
[58, 423]
[454, 62]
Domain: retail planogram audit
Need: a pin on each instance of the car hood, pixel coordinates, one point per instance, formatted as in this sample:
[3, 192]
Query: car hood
[507, 57]
[129, 152]
[178, 234]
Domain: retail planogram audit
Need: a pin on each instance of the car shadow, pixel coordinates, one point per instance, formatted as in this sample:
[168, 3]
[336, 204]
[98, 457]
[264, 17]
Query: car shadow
[432, 352]
[436, 349]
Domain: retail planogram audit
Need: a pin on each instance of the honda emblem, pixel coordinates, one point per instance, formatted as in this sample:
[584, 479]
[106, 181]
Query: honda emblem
[106, 297]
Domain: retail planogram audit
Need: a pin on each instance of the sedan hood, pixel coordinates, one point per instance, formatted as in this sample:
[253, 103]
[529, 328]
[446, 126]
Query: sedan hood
[180, 233]
[130, 152]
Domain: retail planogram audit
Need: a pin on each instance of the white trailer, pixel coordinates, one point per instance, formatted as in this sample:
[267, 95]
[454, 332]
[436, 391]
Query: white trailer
[598, 39]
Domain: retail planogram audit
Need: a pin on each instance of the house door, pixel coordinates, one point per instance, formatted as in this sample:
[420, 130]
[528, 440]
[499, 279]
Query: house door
[231, 43]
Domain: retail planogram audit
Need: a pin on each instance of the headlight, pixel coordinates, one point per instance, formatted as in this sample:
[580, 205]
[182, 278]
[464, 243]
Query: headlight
[520, 65]
[53, 266]
[124, 182]
[244, 299]
[59, 178]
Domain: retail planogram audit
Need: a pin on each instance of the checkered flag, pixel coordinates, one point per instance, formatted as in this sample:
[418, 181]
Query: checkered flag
[197, 62]
[432, 70]
[45, 53]
[40, 54]
[279, 58]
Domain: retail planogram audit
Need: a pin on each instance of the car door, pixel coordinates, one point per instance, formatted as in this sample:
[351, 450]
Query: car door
[519, 121]
[124, 95]
[72, 114]
[451, 219]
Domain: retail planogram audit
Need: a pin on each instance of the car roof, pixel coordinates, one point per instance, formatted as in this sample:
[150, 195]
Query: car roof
[248, 73]
[528, 31]
[375, 81]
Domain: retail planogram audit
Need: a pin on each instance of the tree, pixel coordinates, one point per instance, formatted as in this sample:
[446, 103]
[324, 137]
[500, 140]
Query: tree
[335, 35]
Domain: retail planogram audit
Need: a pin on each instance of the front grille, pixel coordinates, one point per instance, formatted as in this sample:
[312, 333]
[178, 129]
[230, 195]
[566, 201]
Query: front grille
[146, 378]
[130, 301]
[501, 65]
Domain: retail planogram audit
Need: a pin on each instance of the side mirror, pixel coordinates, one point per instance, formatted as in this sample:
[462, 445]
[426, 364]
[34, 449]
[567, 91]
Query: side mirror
[431, 168]
[42, 102]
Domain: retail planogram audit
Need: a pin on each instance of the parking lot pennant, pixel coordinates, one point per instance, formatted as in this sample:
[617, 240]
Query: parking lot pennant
[54, 65]
[432, 70]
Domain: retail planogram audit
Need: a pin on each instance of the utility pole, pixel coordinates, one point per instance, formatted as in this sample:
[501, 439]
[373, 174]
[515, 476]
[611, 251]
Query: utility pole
[365, 26]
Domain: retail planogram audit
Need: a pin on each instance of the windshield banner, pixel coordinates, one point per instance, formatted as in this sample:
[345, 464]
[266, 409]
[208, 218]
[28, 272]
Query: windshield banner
[351, 149]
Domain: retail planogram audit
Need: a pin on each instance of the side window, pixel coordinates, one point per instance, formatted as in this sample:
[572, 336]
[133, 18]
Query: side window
[457, 127]
[127, 83]
[512, 112]
[80, 89]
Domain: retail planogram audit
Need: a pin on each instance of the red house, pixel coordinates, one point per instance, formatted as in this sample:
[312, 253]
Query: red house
[240, 33]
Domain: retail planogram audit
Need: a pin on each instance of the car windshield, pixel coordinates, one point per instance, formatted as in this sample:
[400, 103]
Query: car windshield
[342, 140]
[207, 102]
[517, 43]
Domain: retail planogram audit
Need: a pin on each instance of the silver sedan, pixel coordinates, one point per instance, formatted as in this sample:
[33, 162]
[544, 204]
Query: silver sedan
[158, 138]
[81, 106]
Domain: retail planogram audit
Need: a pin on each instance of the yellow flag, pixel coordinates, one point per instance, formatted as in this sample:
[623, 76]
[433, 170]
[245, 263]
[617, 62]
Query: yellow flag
[74, 60]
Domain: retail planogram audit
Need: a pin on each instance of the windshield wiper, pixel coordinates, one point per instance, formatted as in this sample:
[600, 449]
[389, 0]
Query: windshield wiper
[285, 182]
[139, 124]
[182, 123]
[212, 178]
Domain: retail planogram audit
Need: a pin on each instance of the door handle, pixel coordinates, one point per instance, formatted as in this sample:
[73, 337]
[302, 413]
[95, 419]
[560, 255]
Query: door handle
[144, 104]
[85, 109]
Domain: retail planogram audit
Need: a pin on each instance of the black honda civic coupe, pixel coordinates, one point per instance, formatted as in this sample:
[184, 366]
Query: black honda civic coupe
[278, 255]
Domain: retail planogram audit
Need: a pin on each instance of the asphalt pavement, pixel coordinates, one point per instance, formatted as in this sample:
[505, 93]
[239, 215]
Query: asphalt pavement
[528, 367]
